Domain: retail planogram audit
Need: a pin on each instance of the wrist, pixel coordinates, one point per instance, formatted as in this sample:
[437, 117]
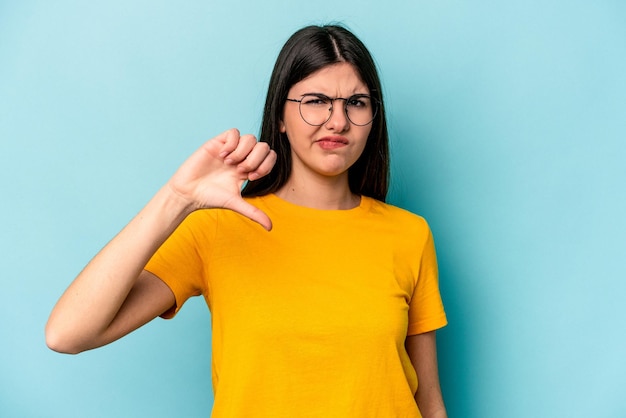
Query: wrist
[162, 215]
[174, 202]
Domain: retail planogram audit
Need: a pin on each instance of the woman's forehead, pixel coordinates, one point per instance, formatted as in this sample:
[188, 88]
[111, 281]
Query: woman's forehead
[336, 79]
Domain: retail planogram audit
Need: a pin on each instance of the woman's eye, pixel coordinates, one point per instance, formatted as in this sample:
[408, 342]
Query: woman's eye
[315, 101]
[357, 102]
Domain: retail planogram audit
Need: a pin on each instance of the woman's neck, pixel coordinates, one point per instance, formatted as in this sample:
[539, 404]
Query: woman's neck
[323, 193]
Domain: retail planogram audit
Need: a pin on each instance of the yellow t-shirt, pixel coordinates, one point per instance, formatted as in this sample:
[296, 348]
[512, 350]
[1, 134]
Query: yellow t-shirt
[309, 319]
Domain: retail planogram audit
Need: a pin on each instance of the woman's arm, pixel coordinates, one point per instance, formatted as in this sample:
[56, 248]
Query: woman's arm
[422, 350]
[87, 313]
[113, 295]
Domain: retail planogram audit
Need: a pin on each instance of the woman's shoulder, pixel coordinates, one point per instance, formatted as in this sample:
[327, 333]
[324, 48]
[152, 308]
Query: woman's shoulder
[397, 215]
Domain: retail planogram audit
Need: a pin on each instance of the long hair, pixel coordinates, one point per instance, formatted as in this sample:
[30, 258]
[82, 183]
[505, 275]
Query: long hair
[307, 51]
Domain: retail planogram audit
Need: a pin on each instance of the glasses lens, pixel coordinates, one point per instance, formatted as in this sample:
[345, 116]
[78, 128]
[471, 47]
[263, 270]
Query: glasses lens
[360, 109]
[315, 110]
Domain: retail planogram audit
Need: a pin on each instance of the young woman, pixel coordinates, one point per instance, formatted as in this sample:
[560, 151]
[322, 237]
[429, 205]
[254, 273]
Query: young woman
[329, 307]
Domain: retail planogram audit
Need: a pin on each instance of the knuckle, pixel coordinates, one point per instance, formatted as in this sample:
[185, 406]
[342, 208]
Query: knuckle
[248, 139]
[245, 166]
[264, 146]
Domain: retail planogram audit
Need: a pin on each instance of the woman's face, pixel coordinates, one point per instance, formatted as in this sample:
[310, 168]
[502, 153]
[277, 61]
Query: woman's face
[331, 149]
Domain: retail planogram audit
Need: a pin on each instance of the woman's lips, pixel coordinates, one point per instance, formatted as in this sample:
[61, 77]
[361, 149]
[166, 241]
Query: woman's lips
[332, 142]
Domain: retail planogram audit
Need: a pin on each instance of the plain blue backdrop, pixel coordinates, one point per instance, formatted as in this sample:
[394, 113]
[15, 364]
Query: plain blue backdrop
[507, 122]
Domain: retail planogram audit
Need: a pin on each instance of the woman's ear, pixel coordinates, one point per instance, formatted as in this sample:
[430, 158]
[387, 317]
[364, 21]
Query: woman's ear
[282, 127]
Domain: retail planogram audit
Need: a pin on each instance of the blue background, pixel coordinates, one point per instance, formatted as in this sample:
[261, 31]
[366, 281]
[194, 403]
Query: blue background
[507, 121]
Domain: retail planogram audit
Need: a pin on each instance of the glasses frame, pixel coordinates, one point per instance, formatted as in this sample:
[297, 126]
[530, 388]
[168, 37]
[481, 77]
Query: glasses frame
[375, 104]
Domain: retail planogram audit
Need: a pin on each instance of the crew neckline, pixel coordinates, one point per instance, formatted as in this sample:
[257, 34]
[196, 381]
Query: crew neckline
[282, 205]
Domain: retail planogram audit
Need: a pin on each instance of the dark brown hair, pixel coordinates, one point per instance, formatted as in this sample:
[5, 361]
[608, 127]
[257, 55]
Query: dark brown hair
[307, 51]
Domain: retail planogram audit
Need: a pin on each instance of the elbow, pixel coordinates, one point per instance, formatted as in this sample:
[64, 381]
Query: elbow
[57, 341]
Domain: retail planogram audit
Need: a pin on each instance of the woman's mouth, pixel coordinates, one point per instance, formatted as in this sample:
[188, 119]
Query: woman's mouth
[332, 142]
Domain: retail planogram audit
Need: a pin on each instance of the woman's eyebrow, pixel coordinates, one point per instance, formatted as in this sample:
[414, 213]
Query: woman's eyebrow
[315, 94]
[330, 97]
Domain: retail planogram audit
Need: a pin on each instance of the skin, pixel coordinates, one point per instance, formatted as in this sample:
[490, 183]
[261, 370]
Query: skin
[319, 175]
[113, 295]
[422, 350]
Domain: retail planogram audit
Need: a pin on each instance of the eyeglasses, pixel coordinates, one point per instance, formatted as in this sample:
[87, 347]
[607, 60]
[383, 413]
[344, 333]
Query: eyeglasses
[316, 109]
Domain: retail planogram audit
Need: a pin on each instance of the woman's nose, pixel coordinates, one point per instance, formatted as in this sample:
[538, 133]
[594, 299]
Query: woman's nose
[338, 121]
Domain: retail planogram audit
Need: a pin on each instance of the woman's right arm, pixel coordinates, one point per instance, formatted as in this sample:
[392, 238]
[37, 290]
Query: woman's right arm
[113, 295]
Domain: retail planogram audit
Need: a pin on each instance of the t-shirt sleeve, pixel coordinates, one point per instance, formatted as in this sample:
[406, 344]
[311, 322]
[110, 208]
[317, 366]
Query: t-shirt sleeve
[426, 312]
[179, 261]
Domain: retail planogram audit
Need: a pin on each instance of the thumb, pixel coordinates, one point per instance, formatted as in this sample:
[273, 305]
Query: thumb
[251, 212]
